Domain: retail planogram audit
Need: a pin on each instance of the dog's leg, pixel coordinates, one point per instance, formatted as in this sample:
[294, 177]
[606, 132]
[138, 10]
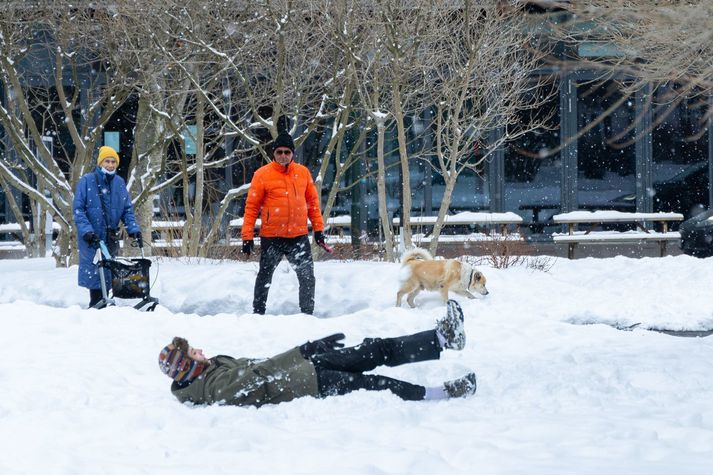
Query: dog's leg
[399, 295]
[406, 287]
[412, 296]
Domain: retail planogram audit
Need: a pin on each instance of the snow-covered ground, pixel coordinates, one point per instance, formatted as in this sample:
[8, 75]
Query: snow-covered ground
[560, 389]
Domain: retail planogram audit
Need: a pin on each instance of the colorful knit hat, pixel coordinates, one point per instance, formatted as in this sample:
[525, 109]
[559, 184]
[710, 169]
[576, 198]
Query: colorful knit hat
[176, 364]
[106, 152]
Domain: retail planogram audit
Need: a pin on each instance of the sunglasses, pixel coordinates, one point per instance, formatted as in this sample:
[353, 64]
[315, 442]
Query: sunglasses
[283, 152]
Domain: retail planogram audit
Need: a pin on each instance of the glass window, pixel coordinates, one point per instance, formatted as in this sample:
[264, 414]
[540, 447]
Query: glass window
[606, 152]
[680, 151]
[470, 193]
[111, 139]
[532, 187]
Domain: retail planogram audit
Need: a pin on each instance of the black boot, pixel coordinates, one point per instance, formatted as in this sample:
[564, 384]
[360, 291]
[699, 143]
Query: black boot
[95, 296]
[450, 328]
[461, 387]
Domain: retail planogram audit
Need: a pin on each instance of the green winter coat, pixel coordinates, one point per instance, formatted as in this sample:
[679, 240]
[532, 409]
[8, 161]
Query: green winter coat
[251, 382]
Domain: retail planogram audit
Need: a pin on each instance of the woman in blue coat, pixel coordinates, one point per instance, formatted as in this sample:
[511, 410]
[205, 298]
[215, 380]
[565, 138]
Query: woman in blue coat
[101, 200]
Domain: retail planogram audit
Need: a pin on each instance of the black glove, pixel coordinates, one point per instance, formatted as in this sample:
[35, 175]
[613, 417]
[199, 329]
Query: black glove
[248, 245]
[323, 345]
[92, 239]
[319, 237]
[138, 239]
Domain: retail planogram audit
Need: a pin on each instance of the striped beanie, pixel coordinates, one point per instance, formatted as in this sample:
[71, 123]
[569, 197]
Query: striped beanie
[177, 365]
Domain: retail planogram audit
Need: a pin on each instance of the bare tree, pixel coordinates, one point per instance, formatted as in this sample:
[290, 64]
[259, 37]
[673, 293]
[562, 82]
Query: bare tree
[64, 72]
[347, 69]
[278, 72]
[664, 41]
[481, 79]
[647, 43]
[182, 105]
[367, 56]
[97, 59]
[408, 30]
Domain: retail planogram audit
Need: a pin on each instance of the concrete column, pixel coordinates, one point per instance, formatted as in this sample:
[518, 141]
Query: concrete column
[644, 151]
[568, 129]
[710, 150]
[496, 174]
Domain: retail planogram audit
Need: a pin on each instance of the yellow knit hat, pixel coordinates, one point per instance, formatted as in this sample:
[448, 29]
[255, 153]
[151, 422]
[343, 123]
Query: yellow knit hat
[106, 152]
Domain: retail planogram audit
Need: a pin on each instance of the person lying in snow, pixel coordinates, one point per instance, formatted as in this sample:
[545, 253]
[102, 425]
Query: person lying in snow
[318, 368]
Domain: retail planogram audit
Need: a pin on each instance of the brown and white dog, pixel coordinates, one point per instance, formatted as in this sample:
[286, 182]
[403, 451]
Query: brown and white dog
[420, 271]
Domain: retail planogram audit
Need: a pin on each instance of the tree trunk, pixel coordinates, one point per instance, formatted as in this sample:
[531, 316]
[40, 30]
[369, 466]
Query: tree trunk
[212, 235]
[384, 215]
[147, 157]
[442, 211]
[405, 173]
[194, 237]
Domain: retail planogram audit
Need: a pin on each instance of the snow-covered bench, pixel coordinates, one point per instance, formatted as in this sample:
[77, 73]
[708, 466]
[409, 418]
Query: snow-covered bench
[168, 230]
[11, 229]
[167, 234]
[13, 239]
[501, 221]
[14, 228]
[336, 226]
[643, 222]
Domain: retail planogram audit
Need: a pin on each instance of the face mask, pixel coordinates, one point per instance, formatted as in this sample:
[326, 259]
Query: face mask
[107, 172]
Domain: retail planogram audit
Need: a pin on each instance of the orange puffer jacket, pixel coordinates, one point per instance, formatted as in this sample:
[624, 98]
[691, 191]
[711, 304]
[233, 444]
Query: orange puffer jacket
[287, 197]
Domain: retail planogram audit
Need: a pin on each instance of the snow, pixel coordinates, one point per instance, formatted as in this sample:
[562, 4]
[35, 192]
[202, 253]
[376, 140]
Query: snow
[560, 390]
[241, 189]
[11, 227]
[467, 217]
[168, 224]
[379, 116]
[610, 216]
[609, 236]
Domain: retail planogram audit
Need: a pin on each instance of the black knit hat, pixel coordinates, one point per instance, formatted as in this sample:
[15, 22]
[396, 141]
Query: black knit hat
[283, 140]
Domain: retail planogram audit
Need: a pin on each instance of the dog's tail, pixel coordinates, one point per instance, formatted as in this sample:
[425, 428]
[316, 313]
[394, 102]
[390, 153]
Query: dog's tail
[416, 254]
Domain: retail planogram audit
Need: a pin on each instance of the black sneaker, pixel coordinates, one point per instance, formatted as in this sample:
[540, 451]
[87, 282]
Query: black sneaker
[451, 327]
[462, 387]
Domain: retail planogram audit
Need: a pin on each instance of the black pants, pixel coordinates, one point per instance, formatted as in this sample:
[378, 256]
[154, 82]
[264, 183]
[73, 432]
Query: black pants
[299, 255]
[95, 295]
[341, 371]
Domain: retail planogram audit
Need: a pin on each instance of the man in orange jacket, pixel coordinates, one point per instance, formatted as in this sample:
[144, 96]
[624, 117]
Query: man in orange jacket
[283, 193]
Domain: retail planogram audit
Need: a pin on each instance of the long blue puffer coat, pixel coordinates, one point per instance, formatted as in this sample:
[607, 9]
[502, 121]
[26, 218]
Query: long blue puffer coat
[89, 217]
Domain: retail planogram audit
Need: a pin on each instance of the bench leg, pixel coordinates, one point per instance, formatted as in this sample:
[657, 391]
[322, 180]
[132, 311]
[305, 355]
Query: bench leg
[663, 248]
[570, 250]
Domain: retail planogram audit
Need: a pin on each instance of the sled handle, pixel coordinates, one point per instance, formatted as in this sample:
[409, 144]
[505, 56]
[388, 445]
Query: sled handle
[105, 250]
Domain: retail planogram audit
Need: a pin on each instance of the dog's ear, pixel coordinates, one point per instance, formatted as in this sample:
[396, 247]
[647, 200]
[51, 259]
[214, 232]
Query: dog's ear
[477, 277]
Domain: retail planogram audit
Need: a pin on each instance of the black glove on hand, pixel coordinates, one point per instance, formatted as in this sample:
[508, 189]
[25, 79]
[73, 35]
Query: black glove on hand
[323, 345]
[319, 237]
[137, 238]
[92, 239]
[248, 246]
